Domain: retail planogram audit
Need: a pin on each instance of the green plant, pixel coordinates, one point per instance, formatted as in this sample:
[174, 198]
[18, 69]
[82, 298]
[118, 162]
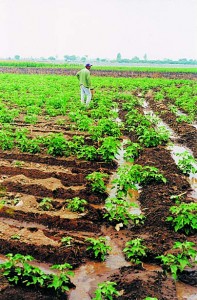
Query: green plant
[151, 137]
[87, 152]
[173, 108]
[60, 122]
[118, 211]
[6, 140]
[176, 263]
[46, 204]
[66, 241]
[132, 151]
[99, 247]
[76, 204]
[130, 176]
[150, 298]
[182, 118]
[56, 144]
[15, 237]
[135, 251]
[32, 119]
[105, 291]
[109, 148]
[18, 271]
[18, 163]
[186, 162]
[96, 180]
[62, 280]
[184, 217]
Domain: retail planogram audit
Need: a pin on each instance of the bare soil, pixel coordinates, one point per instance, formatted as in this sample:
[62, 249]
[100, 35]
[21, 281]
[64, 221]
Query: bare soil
[40, 232]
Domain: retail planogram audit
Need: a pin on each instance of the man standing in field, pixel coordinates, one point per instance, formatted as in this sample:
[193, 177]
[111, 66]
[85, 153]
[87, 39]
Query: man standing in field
[85, 84]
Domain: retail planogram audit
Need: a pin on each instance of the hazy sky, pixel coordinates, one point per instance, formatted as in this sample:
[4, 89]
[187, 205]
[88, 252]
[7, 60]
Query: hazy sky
[102, 28]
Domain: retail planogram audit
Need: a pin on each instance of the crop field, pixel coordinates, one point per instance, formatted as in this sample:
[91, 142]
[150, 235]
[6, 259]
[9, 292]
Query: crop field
[98, 202]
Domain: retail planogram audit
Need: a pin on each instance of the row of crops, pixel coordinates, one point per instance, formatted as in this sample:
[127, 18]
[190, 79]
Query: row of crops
[47, 135]
[24, 64]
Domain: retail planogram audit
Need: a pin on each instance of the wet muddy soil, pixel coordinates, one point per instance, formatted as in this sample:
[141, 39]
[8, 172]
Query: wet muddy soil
[27, 229]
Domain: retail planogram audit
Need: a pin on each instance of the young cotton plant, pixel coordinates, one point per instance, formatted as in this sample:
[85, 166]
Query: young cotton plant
[106, 290]
[130, 176]
[96, 180]
[99, 247]
[18, 271]
[118, 211]
[176, 263]
[76, 204]
[184, 217]
[135, 251]
[187, 163]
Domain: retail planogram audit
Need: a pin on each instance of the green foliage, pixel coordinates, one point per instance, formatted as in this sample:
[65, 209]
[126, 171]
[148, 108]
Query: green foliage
[6, 139]
[76, 204]
[186, 162]
[99, 247]
[135, 251]
[96, 180]
[56, 144]
[132, 151]
[151, 137]
[177, 263]
[66, 241]
[184, 217]
[104, 127]
[18, 271]
[31, 119]
[118, 211]
[129, 176]
[7, 115]
[187, 119]
[45, 204]
[109, 148]
[87, 152]
[105, 291]
[15, 237]
[150, 298]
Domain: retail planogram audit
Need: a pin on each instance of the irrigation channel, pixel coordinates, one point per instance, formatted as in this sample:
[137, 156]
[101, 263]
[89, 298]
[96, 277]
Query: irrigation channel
[25, 179]
[88, 275]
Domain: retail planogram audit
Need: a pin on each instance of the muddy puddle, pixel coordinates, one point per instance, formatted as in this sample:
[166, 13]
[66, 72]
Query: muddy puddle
[88, 276]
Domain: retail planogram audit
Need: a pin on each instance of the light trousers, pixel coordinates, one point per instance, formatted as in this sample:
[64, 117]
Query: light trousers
[86, 95]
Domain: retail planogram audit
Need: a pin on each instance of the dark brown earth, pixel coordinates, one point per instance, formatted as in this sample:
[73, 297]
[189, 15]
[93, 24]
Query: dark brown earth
[134, 74]
[41, 231]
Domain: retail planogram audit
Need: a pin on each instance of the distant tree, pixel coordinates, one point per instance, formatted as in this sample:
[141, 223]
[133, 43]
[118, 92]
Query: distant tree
[119, 57]
[17, 57]
[51, 58]
[145, 57]
[70, 57]
[135, 59]
[83, 59]
[183, 60]
[98, 59]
